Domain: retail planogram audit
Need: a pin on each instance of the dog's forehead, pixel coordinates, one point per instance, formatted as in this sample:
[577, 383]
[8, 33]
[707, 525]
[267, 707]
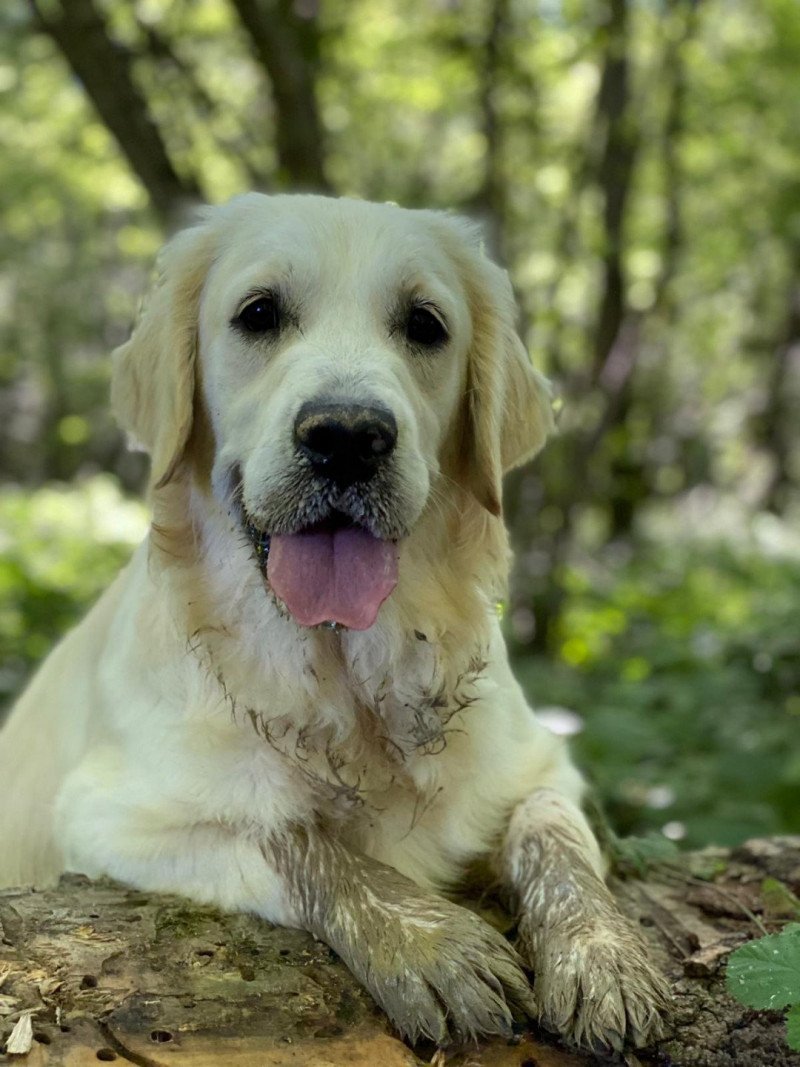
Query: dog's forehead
[309, 240]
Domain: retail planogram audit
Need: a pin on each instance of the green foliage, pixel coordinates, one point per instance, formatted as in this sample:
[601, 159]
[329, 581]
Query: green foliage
[793, 1027]
[67, 545]
[639, 856]
[779, 900]
[629, 856]
[684, 667]
[765, 974]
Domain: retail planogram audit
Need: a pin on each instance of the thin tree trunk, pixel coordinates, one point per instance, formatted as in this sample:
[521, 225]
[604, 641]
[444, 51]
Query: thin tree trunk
[616, 154]
[491, 198]
[104, 67]
[242, 145]
[777, 425]
[285, 40]
[680, 26]
[609, 164]
[616, 337]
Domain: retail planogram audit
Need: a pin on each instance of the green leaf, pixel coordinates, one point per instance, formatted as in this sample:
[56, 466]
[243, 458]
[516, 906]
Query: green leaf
[766, 973]
[639, 856]
[779, 901]
[793, 1028]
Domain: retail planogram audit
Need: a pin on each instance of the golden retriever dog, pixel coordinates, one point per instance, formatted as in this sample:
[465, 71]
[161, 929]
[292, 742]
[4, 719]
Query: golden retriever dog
[295, 700]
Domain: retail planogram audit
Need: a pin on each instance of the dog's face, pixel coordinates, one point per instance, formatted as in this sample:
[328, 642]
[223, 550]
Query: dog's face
[354, 360]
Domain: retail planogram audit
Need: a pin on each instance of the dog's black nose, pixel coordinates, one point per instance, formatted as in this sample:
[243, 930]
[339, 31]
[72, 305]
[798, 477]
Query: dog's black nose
[345, 442]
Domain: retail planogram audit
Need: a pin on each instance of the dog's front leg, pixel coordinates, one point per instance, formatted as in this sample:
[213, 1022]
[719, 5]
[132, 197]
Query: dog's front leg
[436, 969]
[593, 981]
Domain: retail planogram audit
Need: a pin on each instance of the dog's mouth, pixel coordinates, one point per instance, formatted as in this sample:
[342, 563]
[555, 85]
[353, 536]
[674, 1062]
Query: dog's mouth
[334, 571]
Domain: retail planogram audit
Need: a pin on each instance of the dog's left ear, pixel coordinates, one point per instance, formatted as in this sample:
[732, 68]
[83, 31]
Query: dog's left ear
[509, 403]
[152, 384]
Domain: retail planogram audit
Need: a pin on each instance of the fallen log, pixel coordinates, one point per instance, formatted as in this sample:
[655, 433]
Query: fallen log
[96, 972]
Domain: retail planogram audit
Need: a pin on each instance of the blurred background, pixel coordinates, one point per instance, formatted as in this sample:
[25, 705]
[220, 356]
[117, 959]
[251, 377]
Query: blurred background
[636, 164]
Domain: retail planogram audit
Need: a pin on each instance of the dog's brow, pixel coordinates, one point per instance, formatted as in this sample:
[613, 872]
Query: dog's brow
[275, 286]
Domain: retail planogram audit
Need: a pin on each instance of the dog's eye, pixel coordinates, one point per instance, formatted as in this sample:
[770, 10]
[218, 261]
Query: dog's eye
[424, 328]
[260, 316]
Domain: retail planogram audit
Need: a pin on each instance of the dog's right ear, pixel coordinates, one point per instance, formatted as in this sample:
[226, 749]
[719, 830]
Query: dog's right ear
[508, 411]
[153, 375]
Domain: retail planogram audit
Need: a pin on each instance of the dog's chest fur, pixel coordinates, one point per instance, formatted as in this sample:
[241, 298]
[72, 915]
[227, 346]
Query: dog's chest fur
[364, 730]
[366, 725]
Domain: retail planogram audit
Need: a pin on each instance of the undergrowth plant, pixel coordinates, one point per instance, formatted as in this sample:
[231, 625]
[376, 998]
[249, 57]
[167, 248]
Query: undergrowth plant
[765, 974]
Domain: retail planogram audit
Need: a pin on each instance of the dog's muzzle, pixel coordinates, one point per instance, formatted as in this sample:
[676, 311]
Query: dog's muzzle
[335, 564]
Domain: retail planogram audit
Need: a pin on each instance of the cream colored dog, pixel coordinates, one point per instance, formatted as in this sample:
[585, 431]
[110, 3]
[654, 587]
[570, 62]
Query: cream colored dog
[296, 700]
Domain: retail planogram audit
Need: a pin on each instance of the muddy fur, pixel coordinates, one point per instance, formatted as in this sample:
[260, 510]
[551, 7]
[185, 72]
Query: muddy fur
[593, 982]
[437, 970]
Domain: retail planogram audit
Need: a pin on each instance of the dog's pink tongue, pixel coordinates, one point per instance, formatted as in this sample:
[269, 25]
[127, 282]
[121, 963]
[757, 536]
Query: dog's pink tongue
[342, 576]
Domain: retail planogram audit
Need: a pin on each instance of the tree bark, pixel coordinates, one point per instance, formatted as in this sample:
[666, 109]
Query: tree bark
[490, 200]
[680, 27]
[110, 973]
[611, 343]
[615, 150]
[244, 144]
[104, 67]
[284, 37]
[776, 425]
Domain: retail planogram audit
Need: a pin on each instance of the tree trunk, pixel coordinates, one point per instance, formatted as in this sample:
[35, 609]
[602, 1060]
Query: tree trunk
[110, 973]
[105, 70]
[680, 27]
[615, 150]
[284, 37]
[490, 200]
[777, 425]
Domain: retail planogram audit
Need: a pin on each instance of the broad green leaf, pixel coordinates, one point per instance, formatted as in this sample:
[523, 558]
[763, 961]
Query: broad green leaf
[766, 973]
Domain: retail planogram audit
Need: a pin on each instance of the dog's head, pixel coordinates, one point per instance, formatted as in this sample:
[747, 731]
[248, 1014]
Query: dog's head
[353, 360]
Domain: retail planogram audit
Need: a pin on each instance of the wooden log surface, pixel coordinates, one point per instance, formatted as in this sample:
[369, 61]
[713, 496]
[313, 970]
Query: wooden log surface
[106, 973]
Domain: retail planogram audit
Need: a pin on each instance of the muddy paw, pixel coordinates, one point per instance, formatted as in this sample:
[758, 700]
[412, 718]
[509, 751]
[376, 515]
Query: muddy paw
[594, 984]
[442, 973]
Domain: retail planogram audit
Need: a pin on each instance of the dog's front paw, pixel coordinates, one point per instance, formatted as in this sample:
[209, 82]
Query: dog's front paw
[593, 982]
[440, 972]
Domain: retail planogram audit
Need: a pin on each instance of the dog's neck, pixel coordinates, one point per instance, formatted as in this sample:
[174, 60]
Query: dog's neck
[403, 678]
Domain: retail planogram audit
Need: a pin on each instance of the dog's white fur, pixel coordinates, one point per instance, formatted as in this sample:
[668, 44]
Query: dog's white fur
[188, 719]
